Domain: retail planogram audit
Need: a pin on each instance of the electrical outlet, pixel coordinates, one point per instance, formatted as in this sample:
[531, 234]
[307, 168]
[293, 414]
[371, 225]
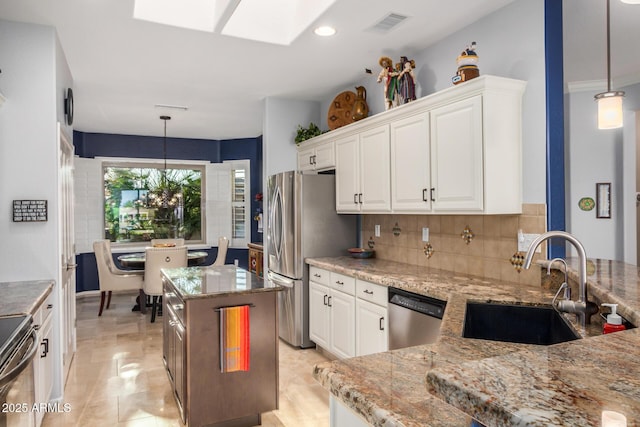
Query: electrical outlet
[525, 240]
[425, 234]
[377, 230]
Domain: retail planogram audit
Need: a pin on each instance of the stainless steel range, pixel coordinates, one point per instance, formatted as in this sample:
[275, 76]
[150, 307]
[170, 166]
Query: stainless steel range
[18, 346]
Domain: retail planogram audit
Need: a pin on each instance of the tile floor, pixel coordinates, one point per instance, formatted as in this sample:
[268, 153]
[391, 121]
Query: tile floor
[117, 377]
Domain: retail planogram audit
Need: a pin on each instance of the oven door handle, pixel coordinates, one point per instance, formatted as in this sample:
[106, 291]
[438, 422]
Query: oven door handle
[13, 374]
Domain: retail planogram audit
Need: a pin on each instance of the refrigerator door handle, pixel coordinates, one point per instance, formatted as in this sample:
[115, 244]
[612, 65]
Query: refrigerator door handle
[276, 233]
[287, 283]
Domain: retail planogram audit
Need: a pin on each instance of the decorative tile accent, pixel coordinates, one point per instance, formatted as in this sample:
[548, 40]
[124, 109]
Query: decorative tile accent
[517, 261]
[371, 243]
[396, 230]
[467, 235]
[428, 250]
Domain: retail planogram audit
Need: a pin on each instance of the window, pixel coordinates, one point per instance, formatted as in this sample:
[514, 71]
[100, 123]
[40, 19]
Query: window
[240, 203]
[238, 213]
[145, 201]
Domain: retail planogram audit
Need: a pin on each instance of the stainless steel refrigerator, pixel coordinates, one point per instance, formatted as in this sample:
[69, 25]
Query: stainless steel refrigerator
[301, 223]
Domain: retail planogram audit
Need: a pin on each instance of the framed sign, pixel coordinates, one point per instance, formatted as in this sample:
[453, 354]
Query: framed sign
[29, 210]
[603, 200]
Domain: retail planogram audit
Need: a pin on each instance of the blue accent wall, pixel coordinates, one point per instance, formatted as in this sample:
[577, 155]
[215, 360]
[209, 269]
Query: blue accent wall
[131, 146]
[555, 125]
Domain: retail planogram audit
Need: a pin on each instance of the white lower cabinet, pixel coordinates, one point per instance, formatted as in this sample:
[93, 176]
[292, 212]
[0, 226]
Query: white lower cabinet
[43, 360]
[371, 328]
[319, 314]
[347, 316]
[343, 324]
[332, 320]
[372, 322]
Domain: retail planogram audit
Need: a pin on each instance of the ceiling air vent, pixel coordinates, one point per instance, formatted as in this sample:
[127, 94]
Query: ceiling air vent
[387, 23]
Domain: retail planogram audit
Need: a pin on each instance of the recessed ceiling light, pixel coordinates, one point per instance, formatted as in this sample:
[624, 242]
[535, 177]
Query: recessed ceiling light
[325, 31]
[631, 1]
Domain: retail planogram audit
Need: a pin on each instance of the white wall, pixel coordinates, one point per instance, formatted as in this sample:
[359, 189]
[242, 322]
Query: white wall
[28, 149]
[281, 120]
[510, 44]
[600, 156]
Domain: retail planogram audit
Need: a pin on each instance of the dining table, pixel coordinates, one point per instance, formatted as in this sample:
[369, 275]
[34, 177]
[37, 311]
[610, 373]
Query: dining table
[135, 261]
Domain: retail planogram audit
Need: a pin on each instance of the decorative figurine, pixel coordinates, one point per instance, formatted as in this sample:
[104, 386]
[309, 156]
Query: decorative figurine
[407, 80]
[390, 77]
[467, 65]
[360, 108]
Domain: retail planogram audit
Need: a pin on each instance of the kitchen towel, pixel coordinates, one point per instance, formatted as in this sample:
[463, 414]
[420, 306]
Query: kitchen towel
[234, 338]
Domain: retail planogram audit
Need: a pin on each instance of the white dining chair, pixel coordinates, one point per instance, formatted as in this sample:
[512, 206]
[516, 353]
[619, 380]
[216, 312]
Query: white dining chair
[223, 245]
[110, 277]
[156, 259]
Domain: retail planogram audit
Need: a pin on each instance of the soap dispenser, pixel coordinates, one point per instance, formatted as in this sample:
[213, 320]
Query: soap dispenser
[614, 321]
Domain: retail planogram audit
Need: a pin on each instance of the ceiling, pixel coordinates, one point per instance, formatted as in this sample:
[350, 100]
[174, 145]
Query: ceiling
[123, 67]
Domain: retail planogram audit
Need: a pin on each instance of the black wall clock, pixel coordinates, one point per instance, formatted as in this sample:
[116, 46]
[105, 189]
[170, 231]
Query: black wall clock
[68, 107]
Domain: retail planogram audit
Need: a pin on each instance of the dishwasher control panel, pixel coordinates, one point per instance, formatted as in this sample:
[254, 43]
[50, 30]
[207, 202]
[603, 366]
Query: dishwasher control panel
[419, 303]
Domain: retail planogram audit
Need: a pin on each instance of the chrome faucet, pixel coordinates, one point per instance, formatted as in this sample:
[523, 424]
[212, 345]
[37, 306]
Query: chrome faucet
[565, 284]
[583, 308]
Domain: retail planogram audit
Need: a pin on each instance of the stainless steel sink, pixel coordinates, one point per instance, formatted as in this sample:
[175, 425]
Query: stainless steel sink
[525, 324]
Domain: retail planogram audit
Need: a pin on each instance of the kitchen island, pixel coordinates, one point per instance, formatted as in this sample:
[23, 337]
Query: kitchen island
[210, 386]
[449, 382]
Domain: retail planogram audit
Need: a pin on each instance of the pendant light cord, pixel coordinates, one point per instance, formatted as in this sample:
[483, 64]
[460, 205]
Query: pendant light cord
[164, 149]
[608, 49]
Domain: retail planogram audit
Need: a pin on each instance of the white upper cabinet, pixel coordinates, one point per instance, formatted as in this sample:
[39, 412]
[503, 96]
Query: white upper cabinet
[348, 174]
[410, 164]
[316, 157]
[456, 152]
[362, 172]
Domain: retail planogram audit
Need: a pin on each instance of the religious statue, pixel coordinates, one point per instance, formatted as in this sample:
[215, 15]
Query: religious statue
[390, 78]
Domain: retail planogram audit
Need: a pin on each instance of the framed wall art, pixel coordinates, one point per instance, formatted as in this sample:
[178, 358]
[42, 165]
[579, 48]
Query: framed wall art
[603, 200]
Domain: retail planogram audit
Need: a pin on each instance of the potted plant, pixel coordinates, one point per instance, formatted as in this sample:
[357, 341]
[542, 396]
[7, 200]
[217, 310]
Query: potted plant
[305, 133]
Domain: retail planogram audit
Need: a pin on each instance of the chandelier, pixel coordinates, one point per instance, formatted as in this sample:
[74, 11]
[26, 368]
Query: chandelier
[164, 197]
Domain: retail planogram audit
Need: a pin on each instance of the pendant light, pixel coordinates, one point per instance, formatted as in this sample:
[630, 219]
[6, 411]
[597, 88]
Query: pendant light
[165, 198]
[609, 102]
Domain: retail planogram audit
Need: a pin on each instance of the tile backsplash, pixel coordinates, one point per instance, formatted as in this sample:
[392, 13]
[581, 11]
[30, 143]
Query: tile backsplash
[481, 245]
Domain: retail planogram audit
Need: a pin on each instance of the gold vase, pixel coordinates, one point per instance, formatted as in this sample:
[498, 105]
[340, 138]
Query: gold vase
[360, 108]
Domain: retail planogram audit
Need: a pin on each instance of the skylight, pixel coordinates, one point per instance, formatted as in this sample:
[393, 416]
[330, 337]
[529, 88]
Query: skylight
[274, 21]
[199, 15]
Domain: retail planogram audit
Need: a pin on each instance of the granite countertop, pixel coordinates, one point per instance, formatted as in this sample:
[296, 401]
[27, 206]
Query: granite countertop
[23, 297]
[498, 383]
[208, 282]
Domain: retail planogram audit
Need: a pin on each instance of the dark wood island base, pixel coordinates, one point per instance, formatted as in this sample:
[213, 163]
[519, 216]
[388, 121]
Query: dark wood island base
[205, 395]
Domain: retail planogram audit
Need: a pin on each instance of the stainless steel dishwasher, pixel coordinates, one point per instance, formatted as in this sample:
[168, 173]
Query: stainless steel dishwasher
[413, 319]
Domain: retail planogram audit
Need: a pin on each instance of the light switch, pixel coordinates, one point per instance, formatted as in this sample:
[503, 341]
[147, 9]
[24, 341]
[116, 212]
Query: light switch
[425, 234]
[377, 230]
[525, 240]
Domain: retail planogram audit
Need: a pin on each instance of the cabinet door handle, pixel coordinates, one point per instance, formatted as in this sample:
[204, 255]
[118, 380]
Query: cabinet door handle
[329, 302]
[49, 306]
[45, 351]
[424, 195]
[381, 323]
[316, 275]
[360, 198]
[314, 159]
[325, 300]
[431, 194]
[355, 198]
[338, 282]
[367, 291]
